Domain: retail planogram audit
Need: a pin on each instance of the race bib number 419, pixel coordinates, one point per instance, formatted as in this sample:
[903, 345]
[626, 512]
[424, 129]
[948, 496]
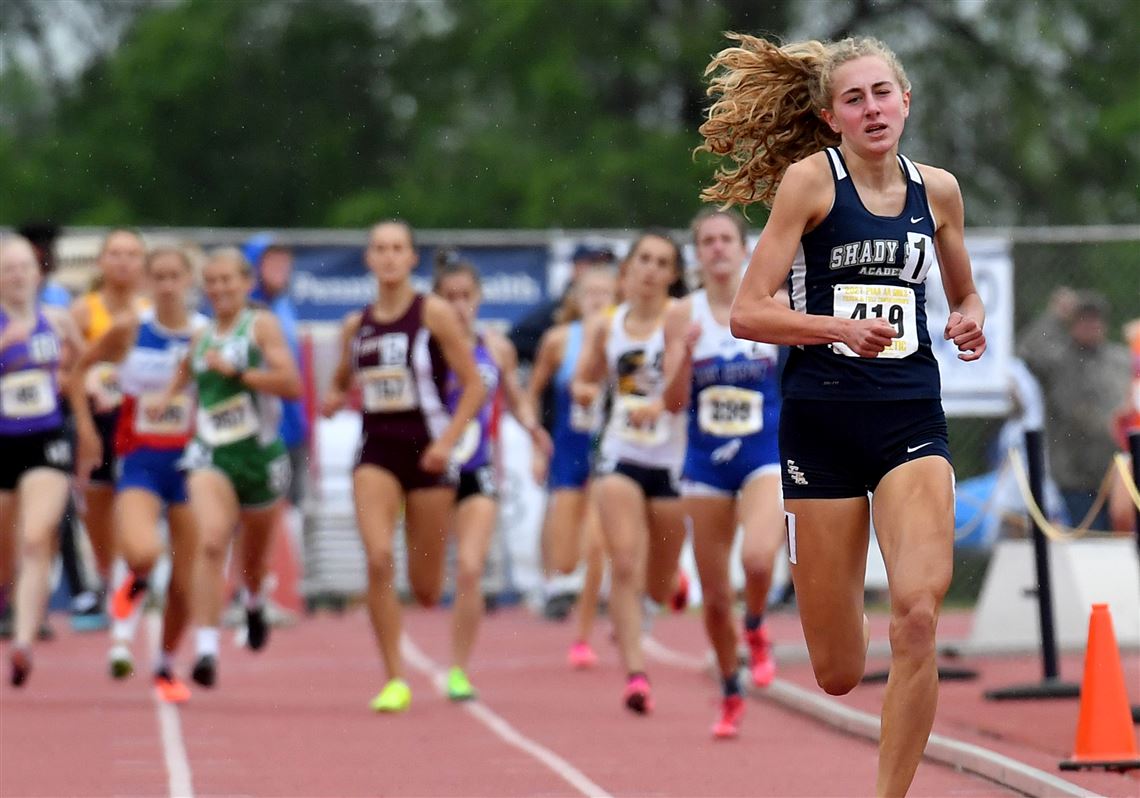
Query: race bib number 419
[893, 303]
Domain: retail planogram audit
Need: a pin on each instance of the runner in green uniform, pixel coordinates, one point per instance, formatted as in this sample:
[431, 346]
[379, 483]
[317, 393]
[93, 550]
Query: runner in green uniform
[238, 467]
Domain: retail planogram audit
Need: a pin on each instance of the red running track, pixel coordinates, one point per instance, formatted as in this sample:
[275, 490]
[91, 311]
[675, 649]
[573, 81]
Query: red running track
[293, 721]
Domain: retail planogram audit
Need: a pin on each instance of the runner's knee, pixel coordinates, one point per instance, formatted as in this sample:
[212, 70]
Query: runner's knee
[913, 623]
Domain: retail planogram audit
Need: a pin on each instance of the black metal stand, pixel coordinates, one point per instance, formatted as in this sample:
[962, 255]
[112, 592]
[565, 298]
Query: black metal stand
[1051, 686]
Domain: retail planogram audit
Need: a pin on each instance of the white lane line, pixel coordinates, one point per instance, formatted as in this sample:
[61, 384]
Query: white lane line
[504, 730]
[983, 762]
[179, 783]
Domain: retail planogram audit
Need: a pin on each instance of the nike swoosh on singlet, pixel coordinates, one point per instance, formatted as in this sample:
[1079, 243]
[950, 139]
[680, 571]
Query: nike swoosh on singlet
[913, 449]
[916, 221]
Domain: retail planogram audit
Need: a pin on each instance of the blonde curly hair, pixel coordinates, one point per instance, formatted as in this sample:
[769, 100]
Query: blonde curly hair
[766, 113]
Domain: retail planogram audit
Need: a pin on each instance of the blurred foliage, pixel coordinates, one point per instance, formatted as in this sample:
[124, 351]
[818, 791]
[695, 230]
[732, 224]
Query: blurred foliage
[507, 114]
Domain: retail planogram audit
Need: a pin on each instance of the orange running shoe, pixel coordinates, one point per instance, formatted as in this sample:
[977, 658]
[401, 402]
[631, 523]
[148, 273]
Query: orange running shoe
[170, 688]
[128, 597]
[732, 711]
[763, 666]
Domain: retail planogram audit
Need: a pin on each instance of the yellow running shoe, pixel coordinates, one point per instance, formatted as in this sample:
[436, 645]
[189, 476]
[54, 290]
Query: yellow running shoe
[395, 697]
[458, 686]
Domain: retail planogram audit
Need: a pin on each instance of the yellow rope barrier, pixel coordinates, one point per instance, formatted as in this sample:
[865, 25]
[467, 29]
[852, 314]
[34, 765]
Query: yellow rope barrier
[1054, 532]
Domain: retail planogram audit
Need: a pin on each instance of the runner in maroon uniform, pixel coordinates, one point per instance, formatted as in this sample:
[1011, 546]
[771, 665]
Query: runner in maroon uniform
[398, 351]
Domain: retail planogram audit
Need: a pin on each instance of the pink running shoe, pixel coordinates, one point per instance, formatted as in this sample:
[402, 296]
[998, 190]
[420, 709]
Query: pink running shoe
[763, 663]
[581, 656]
[728, 727]
[638, 696]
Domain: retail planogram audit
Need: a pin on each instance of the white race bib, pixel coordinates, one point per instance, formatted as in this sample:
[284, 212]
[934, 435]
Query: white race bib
[228, 421]
[103, 387]
[895, 304]
[729, 412]
[653, 433]
[27, 394]
[585, 419]
[387, 389]
[468, 443]
[174, 421]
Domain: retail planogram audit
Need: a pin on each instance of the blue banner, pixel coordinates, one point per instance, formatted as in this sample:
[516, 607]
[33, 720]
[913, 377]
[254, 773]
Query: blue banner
[329, 282]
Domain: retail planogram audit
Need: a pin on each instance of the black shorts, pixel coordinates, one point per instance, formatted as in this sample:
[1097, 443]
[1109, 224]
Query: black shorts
[839, 450]
[402, 460]
[478, 482]
[655, 483]
[106, 424]
[23, 453]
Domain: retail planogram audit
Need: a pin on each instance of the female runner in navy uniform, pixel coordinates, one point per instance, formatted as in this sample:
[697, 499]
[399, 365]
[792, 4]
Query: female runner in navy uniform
[399, 350]
[36, 466]
[732, 467]
[477, 496]
[857, 226]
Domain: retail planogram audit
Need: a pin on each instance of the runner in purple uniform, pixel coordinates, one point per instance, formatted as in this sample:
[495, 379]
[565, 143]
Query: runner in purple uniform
[36, 467]
[477, 501]
[398, 351]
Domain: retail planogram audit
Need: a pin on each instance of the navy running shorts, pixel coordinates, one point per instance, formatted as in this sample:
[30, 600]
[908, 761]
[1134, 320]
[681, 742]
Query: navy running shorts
[838, 450]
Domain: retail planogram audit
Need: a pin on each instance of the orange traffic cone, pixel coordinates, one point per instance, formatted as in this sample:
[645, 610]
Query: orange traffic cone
[1104, 726]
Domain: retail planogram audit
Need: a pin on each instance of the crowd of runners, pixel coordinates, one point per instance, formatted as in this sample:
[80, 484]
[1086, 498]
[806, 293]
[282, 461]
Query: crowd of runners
[772, 394]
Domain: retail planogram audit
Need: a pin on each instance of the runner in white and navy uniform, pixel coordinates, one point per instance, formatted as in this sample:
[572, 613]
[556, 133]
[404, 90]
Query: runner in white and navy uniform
[571, 530]
[731, 474]
[147, 347]
[857, 227]
[35, 468]
[398, 351]
[641, 450]
[476, 455]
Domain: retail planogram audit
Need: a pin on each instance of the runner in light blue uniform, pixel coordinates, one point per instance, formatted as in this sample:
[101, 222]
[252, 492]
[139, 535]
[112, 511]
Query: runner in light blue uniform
[571, 532]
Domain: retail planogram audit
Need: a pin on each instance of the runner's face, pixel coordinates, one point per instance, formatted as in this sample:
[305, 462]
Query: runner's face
[19, 272]
[390, 254]
[462, 292]
[227, 286]
[868, 109]
[651, 268]
[169, 278]
[121, 260]
[720, 249]
[596, 290]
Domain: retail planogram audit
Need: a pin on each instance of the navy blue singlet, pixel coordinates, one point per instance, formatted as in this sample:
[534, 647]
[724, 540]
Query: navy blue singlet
[856, 264]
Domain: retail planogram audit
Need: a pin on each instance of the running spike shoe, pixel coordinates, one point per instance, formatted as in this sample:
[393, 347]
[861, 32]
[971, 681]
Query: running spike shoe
[120, 662]
[638, 696]
[395, 697]
[169, 688]
[731, 713]
[581, 657]
[763, 664]
[459, 686]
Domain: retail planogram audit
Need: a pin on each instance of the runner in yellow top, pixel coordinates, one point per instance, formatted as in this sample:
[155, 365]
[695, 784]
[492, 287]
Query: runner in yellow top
[120, 264]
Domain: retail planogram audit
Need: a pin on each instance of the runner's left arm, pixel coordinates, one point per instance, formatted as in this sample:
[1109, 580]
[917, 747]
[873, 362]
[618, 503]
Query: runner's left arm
[278, 374]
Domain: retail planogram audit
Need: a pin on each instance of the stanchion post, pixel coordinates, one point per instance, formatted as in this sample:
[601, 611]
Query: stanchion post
[1035, 454]
[1051, 686]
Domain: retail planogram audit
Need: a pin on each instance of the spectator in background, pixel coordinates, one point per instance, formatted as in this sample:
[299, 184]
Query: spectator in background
[1083, 377]
[42, 236]
[528, 331]
[1047, 336]
[273, 266]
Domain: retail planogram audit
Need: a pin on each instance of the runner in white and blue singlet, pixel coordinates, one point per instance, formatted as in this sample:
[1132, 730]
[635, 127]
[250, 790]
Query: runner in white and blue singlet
[731, 474]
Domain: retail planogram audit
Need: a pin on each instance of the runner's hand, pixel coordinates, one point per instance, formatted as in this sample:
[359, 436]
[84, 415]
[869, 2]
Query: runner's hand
[966, 335]
[435, 457]
[869, 337]
[332, 403]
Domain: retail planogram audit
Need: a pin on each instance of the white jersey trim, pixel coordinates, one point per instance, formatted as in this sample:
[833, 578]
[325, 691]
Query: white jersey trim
[436, 417]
